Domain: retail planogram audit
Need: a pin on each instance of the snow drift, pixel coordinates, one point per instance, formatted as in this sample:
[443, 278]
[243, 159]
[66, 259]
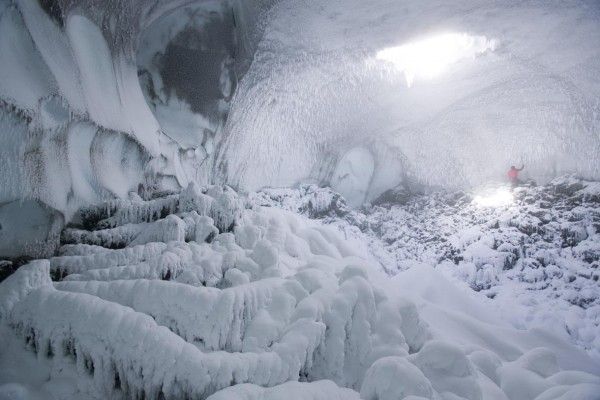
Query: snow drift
[532, 252]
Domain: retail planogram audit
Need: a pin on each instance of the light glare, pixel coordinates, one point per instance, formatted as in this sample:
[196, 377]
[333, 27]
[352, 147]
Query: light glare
[494, 198]
[427, 58]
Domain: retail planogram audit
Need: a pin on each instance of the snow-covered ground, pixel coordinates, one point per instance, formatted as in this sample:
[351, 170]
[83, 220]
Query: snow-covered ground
[357, 94]
[206, 294]
[534, 250]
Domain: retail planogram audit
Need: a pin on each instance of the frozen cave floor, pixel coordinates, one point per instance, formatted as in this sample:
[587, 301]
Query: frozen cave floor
[290, 294]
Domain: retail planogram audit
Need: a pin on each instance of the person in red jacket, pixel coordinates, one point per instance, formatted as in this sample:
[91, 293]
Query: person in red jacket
[513, 175]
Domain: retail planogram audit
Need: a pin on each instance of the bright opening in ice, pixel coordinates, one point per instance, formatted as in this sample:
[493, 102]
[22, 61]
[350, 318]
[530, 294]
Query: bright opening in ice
[429, 57]
[498, 197]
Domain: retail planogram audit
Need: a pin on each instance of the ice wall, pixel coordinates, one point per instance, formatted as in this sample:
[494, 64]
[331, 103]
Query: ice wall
[101, 98]
[75, 124]
[317, 95]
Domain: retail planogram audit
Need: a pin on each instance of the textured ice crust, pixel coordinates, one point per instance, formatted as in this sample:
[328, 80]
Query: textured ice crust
[197, 294]
[270, 306]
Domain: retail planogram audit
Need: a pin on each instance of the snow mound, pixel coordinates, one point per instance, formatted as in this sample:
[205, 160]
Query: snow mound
[269, 305]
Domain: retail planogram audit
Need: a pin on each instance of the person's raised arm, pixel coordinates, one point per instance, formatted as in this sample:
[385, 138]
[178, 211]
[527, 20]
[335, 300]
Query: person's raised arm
[521, 169]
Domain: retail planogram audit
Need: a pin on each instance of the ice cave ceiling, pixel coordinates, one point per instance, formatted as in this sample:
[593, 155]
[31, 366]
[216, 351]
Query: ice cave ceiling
[100, 98]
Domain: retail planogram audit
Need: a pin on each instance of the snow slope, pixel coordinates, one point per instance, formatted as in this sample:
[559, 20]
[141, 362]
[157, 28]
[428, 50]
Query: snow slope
[532, 253]
[271, 305]
[101, 98]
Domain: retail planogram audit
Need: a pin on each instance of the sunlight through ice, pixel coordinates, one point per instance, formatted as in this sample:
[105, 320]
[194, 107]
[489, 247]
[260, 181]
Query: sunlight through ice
[427, 58]
[494, 198]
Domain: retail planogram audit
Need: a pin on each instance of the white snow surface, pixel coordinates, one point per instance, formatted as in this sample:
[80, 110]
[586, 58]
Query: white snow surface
[532, 252]
[273, 306]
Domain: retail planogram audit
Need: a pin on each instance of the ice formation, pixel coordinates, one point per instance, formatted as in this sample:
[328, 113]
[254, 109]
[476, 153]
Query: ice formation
[98, 99]
[78, 124]
[132, 131]
[504, 91]
[272, 305]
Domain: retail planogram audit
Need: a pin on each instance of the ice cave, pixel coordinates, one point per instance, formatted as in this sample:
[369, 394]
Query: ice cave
[299, 199]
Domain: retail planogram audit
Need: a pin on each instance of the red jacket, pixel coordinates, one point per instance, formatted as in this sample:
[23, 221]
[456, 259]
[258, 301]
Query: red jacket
[513, 174]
